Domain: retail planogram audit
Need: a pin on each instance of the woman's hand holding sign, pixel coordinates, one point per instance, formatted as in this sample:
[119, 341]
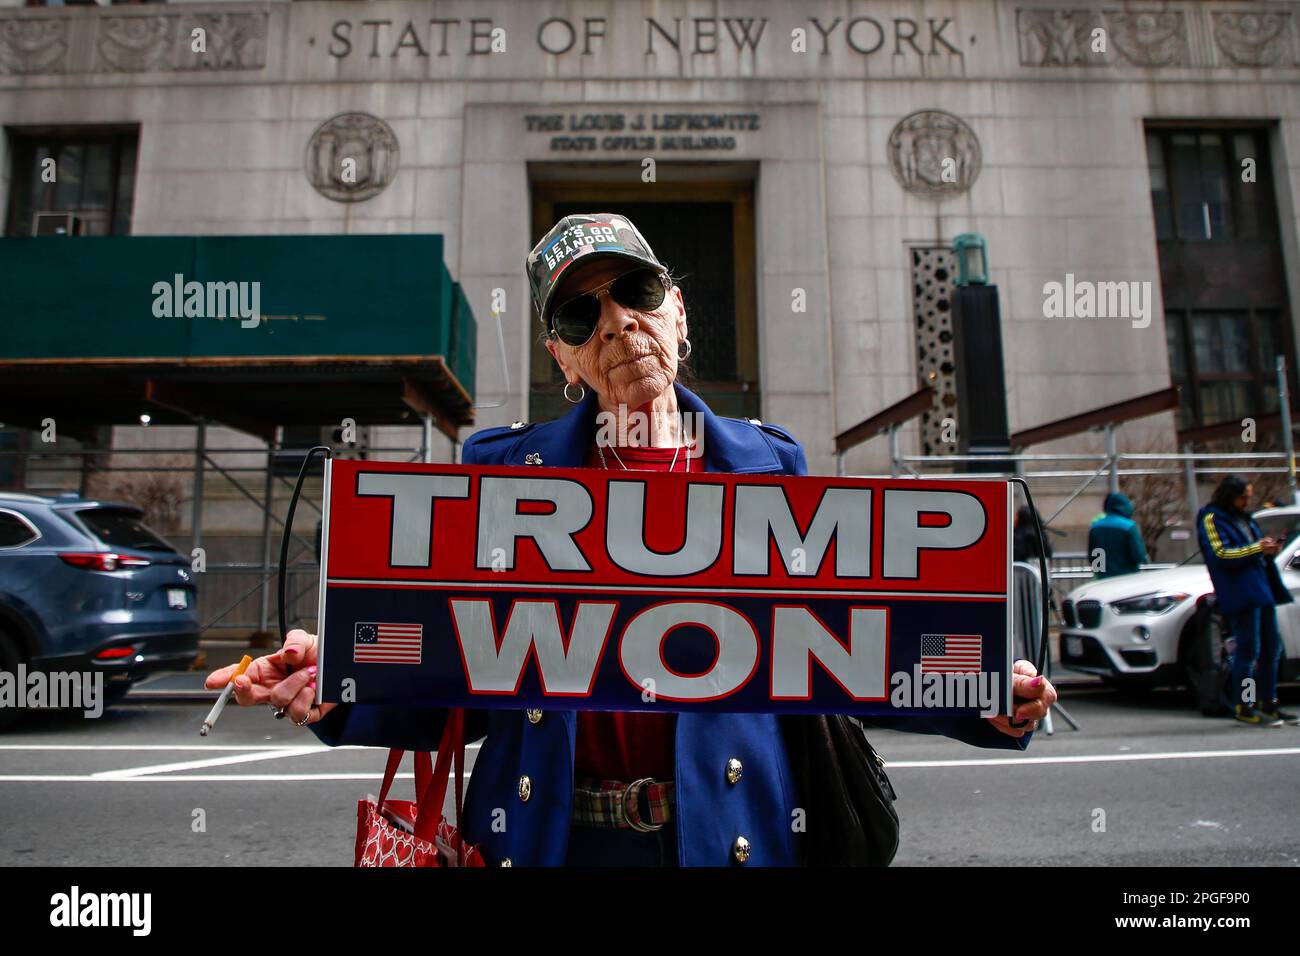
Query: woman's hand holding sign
[1034, 697]
[285, 679]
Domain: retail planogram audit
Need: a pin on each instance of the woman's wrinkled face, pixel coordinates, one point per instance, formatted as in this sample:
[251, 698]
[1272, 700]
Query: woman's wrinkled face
[632, 357]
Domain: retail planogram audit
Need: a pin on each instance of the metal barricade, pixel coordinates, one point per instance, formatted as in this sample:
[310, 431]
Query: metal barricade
[1027, 628]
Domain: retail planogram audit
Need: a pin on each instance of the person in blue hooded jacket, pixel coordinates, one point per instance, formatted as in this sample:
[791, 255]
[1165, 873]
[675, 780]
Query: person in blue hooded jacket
[590, 788]
[1117, 537]
[1247, 589]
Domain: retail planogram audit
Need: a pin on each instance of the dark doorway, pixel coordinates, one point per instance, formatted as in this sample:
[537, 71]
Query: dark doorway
[686, 225]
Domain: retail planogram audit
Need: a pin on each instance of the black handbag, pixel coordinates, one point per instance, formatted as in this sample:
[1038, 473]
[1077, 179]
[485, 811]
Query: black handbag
[847, 799]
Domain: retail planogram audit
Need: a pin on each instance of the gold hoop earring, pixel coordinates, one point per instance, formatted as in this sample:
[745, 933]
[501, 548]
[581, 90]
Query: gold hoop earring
[582, 392]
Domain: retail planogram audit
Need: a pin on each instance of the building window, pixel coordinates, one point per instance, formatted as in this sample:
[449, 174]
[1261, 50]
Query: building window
[72, 182]
[1222, 276]
[1203, 184]
[1225, 362]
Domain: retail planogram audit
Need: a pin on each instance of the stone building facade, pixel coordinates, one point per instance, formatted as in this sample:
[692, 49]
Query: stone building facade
[814, 159]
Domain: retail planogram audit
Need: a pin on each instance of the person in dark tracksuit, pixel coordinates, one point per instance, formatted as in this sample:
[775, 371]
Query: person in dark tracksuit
[1025, 539]
[1116, 535]
[1248, 587]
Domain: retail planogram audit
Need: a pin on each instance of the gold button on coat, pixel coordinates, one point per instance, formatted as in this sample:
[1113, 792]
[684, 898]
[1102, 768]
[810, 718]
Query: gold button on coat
[534, 716]
[525, 788]
[734, 770]
[741, 849]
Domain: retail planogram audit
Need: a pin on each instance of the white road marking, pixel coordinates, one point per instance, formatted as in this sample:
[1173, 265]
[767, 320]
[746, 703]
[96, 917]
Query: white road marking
[207, 778]
[209, 762]
[171, 747]
[195, 747]
[157, 775]
[1096, 758]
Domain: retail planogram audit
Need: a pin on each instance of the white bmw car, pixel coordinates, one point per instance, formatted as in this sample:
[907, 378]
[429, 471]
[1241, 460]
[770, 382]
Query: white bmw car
[1158, 627]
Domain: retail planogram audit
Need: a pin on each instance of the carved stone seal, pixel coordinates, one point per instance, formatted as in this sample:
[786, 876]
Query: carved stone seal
[352, 157]
[934, 154]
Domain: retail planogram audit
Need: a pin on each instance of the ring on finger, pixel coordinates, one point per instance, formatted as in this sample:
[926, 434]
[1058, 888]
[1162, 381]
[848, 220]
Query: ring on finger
[278, 711]
[306, 718]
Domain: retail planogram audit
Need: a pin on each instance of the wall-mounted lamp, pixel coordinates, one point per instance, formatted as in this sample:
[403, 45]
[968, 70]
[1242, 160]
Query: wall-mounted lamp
[972, 259]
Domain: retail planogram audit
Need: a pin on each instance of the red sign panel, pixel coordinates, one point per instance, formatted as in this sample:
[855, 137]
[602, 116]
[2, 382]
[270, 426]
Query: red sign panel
[512, 587]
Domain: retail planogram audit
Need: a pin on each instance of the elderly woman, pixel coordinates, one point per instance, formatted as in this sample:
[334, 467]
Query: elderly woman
[590, 788]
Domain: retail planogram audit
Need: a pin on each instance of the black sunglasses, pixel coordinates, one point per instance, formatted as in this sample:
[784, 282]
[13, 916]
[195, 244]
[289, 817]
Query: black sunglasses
[574, 321]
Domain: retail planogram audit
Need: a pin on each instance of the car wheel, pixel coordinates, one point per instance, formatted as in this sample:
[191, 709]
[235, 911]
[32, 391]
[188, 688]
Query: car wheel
[9, 661]
[1205, 662]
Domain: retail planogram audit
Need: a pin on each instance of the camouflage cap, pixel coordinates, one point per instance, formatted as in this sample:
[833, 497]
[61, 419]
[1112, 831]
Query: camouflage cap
[579, 238]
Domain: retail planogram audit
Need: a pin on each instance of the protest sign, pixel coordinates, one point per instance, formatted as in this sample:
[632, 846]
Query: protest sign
[477, 586]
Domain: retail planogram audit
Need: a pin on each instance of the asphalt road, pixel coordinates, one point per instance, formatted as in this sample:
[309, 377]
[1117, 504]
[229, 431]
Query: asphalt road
[1176, 789]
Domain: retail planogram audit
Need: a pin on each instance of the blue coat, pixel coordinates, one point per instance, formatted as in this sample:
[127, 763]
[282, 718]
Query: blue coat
[1244, 577]
[1118, 536]
[710, 812]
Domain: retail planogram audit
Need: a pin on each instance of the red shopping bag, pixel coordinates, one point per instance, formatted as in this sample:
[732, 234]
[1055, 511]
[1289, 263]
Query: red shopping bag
[417, 833]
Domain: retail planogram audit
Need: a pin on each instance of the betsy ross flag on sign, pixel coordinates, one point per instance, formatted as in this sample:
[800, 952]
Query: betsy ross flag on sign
[375, 643]
[950, 653]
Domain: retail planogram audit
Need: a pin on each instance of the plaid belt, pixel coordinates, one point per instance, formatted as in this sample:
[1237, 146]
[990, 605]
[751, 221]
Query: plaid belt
[612, 803]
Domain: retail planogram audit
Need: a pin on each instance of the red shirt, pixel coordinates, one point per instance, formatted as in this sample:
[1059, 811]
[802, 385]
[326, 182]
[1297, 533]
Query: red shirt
[629, 746]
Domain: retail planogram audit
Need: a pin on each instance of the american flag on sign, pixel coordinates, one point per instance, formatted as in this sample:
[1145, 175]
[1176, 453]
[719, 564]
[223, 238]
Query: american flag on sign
[376, 643]
[950, 653]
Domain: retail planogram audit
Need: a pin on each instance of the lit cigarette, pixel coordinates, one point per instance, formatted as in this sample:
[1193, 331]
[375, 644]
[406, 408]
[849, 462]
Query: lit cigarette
[220, 705]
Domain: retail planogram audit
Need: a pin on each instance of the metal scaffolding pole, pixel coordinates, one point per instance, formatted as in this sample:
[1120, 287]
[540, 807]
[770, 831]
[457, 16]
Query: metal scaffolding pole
[1288, 438]
[1189, 477]
[196, 504]
[426, 440]
[238, 486]
[1112, 455]
[268, 506]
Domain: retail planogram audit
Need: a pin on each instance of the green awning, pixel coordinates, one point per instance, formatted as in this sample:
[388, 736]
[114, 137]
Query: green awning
[250, 331]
